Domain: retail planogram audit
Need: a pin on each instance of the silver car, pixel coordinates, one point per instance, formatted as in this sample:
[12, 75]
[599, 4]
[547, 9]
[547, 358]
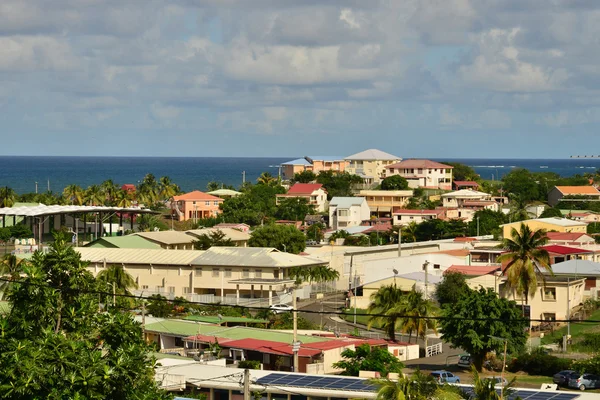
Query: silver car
[585, 381]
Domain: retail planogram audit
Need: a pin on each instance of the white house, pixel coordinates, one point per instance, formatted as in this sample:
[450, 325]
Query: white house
[423, 173]
[370, 164]
[460, 197]
[314, 193]
[345, 212]
[401, 216]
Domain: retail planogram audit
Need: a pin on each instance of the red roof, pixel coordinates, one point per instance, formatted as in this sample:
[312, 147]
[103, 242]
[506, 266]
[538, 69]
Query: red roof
[465, 239]
[473, 269]
[304, 188]
[466, 183]
[564, 236]
[196, 195]
[206, 339]
[380, 228]
[565, 250]
[128, 187]
[267, 346]
[417, 212]
[418, 164]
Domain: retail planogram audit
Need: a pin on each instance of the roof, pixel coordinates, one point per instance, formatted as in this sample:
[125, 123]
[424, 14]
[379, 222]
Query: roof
[138, 256]
[466, 183]
[225, 319]
[41, 209]
[574, 190]
[414, 163]
[298, 161]
[230, 233]
[304, 188]
[474, 270]
[266, 257]
[417, 212]
[183, 328]
[269, 347]
[346, 202]
[167, 237]
[419, 276]
[373, 154]
[577, 267]
[123, 242]
[225, 192]
[378, 228]
[566, 236]
[456, 252]
[401, 193]
[324, 158]
[232, 333]
[551, 221]
[196, 195]
[467, 193]
[231, 225]
[565, 250]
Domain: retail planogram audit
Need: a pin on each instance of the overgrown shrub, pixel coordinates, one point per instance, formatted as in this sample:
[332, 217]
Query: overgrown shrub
[589, 344]
[249, 364]
[538, 362]
[590, 365]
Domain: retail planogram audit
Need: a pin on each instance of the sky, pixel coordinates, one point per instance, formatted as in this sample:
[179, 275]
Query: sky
[416, 78]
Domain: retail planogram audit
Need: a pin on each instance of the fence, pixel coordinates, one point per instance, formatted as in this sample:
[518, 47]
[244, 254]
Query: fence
[284, 298]
[433, 350]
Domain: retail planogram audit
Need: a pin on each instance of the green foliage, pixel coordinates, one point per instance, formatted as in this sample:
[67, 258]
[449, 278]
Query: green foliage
[357, 240]
[304, 177]
[214, 238]
[589, 343]
[249, 364]
[341, 234]
[256, 204]
[367, 358]
[468, 324]
[462, 172]
[20, 231]
[8, 196]
[394, 182]
[435, 229]
[338, 184]
[285, 321]
[588, 365]
[452, 288]
[551, 212]
[417, 386]
[282, 237]
[149, 222]
[316, 232]
[313, 274]
[158, 306]
[521, 183]
[5, 234]
[294, 209]
[55, 345]
[538, 362]
[489, 222]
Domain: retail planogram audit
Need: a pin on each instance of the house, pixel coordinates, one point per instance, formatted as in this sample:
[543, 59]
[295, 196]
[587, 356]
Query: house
[576, 268]
[468, 196]
[239, 226]
[570, 238]
[476, 276]
[171, 240]
[405, 283]
[370, 165]
[423, 173]
[581, 215]
[404, 216]
[458, 185]
[128, 188]
[239, 238]
[345, 212]
[316, 164]
[559, 193]
[554, 300]
[382, 202]
[559, 253]
[314, 193]
[195, 205]
[548, 224]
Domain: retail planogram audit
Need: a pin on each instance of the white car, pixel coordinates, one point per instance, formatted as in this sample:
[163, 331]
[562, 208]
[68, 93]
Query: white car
[279, 308]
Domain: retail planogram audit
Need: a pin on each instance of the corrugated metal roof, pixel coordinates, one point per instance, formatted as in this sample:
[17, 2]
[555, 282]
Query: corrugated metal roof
[346, 201]
[123, 242]
[41, 209]
[224, 192]
[372, 154]
[298, 161]
[196, 195]
[467, 193]
[233, 234]
[167, 237]
[252, 257]
[139, 256]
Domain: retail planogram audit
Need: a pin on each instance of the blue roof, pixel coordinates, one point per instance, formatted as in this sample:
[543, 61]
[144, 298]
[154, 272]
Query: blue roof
[326, 158]
[298, 161]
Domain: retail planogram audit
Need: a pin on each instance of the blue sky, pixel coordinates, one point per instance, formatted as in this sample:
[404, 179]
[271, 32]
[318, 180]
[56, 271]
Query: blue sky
[417, 78]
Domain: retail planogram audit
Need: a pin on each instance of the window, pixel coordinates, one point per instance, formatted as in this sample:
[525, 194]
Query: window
[549, 294]
[207, 203]
[144, 286]
[186, 290]
[171, 289]
[198, 272]
[342, 213]
[342, 224]
[246, 273]
[216, 272]
[227, 272]
[258, 273]
[276, 274]
[436, 266]
[216, 202]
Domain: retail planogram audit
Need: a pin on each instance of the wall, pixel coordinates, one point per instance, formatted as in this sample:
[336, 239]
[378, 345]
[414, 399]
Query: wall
[535, 225]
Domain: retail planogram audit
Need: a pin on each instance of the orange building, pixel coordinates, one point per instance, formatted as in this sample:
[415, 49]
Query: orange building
[195, 205]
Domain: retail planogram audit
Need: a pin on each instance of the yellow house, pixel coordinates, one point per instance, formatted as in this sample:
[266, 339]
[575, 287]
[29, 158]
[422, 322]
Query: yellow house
[549, 224]
[370, 164]
[384, 201]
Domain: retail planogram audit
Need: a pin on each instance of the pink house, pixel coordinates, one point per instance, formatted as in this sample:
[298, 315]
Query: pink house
[195, 205]
[315, 193]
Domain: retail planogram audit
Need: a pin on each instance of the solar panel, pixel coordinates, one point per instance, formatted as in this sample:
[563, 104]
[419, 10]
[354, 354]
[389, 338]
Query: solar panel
[325, 382]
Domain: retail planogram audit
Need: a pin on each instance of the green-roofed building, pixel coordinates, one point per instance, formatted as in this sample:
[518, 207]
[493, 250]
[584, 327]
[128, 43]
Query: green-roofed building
[123, 242]
[226, 321]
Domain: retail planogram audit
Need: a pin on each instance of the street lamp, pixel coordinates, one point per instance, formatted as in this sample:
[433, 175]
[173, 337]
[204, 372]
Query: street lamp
[425, 264]
[503, 363]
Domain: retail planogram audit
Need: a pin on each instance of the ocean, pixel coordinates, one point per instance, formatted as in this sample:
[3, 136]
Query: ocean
[193, 173]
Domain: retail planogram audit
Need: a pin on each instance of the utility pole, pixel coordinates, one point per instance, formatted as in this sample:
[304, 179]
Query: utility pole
[295, 344]
[243, 177]
[400, 241]
[426, 278]
[247, 384]
[144, 319]
[477, 226]
[36, 188]
[114, 295]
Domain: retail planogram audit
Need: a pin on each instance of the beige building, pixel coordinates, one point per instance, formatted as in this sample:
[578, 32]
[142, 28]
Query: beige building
[423, 173]
[239, 238]
[549, 224]
[384, 201]
[219, 273]
[404, 216]
[170, 240]
[314, 193]
[464, 198]
[559, 193]
[370, 165]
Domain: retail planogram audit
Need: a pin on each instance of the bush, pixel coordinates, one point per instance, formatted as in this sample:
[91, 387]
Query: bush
[590, 365]
[537, 362]
[589, 344]
[249, 364]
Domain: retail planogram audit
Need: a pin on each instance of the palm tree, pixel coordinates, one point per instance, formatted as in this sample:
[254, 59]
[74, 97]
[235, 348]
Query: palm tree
[94, 196]
[411, 231]
[8, 196]
[486, 388]
[109, 188]
[73, 194]
[116, 274]
[415, 310]
[10, 268]
[167, 188]
[418, 386]
[383, 306]
[527, 261]
[148, 190]
[266, 179]
[518, 209]
[123, 198]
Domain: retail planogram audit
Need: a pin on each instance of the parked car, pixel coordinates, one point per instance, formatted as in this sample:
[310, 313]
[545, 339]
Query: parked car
[562, 378]
[464, 361]
[499, 381]
[445, 377]
[585, 381]
[279, 308]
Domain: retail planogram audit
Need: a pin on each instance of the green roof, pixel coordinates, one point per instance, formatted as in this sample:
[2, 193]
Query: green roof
[123, 242]
[567, 212]
[211, 319]
[184, 329]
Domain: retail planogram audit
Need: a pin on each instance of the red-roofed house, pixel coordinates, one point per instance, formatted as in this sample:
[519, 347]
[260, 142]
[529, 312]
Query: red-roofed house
[314, 193]
[404, 216]
[423, 173]
[474, 270]
[195, 205]
[487, 276]
[128, 187]
[570, 238]
[457, 185]
[559, 192]
[560, 253]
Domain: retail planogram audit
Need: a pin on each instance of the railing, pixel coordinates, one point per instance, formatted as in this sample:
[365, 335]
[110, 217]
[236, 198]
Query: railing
[171, 381]
[233, 300]
[434, 349]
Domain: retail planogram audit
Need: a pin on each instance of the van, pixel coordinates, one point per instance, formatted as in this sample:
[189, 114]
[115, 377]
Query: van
[464, 361]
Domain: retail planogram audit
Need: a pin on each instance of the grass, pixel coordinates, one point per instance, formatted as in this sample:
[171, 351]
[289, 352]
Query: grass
[360, 319]
[577, 330]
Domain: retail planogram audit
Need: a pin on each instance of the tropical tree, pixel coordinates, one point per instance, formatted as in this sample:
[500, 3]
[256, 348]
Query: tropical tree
[304, 177]
[10, 269]
[415, 310]
[367, 358]
[451, 289]
[394, 182]
[286, 238]
[8, 196]
[294, 209]
[109, 189]
[527, 261]
[410, 231]
[384, 307]
[319, 273]
[148, 190]
[417, 386]
[94, 196]
[266, 179]
[123, 198]
[167, 189]
[117, 276]
[73, 194]
[518, 208]
[213, 238]
[486, 388]
[148, 222]
[315, 231]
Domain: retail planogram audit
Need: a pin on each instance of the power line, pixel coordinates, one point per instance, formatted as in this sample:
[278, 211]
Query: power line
[341, 313]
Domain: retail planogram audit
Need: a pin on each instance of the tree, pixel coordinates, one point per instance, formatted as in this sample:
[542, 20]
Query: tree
[294, 209]
[384, 307]
[304, 177]
[158, 306]
[123, 198]
[520, 182]
[149, 222]
[55, 345]
[213, 238]
[417, 309]
[148, 190]
[410, 231]
[10, 268]
[367, 358]
[166, 188]
[551, 212]
[267, 179]
[526, 260]
[255, 206]
[8, 196]
[338, 183]
[93, 196]
[313, 274]
[462, 172]
[488, 222]
[468, 323]
[394, 182]
[486, 388]
[417, 386]
[316, 232]
[109, 189]
[282, 237]
[73, 194]
[117, 276]
[20, 231]
[452, 288]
